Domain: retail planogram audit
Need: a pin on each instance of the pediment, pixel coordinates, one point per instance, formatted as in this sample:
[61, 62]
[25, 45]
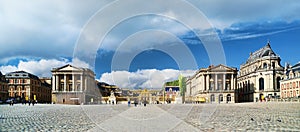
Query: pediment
[67, 68]
[222, 68]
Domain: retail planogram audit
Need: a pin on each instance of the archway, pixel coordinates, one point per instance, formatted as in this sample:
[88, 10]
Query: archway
[212, 98]
[220, 98]
[228, 98]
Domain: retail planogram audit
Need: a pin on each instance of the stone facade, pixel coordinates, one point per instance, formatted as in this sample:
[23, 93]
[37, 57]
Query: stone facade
[3, 88]
[259, 77]
[290, 85]
[73, 85]
[26, 86]
[212, 84]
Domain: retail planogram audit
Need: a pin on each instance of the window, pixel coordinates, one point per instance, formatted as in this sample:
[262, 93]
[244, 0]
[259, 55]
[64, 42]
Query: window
[265, 66]
[212, 98]
[261, 84]
[221, 98]
[228, 98]
[294, 84]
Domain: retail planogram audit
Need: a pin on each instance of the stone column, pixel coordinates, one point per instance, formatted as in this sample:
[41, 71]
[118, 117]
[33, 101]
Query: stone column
[224, 81]
[231, 82]
[207, 82]
[204, 82]
[85, 83]
[73, 82]
[81, 81]
[53, 82]
[57, 84]
[65, 82]
[216, 82]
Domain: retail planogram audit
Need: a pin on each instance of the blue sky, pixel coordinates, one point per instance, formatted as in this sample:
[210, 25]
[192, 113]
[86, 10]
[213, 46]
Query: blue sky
[144, 50]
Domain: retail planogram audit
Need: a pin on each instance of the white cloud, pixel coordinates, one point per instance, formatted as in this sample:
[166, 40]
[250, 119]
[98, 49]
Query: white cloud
[43, 67]
[147, 78]
[28, 28]
[40, 68]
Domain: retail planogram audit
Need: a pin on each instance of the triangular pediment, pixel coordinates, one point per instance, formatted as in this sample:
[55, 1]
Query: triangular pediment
[67, 68]
[222, 68]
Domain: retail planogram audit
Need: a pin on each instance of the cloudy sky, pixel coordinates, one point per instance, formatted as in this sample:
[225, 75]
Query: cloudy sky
[141, 44]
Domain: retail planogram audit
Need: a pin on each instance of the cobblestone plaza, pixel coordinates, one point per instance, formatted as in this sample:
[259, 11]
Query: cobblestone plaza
[267, 116]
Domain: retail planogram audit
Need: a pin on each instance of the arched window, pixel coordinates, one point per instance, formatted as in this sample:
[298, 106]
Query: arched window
[294, 84]
[228, 98]
[249, 85]
[261, 84]
[212, 98]
[221, 98]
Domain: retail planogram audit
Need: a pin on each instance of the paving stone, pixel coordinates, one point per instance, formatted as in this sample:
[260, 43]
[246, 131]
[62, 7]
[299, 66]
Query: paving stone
[272, 116]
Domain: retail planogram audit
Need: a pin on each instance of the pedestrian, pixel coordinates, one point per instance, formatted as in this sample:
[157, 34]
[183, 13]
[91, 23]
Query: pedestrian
[135, 103]
[29, 102]
[145, 103]
[128, 103]
[33, 101]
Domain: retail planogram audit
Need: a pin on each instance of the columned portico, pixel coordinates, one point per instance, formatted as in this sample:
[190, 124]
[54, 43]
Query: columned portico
[217, 85]
[74, 85]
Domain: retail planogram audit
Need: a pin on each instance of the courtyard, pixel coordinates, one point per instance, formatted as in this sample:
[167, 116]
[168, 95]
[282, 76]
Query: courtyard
[266, 116]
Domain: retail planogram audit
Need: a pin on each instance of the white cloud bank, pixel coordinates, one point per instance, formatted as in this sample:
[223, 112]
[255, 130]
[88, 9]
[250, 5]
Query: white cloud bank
[43, 67]
[147, 78]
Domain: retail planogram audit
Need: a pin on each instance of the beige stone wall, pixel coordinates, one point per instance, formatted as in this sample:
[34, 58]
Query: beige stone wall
[253, 72]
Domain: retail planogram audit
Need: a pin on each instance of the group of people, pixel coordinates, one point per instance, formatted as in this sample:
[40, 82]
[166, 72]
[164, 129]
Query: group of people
[136, 103]
[11, 102]
[29, 102]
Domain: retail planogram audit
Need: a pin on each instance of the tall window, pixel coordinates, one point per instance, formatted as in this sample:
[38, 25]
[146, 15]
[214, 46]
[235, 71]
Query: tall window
[261, 84]
[212, 98]
[248, 85]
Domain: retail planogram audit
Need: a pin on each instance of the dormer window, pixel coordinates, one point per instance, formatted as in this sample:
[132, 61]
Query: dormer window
[265, 65]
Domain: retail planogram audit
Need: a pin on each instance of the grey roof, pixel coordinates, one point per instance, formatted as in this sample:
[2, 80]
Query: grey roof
[296, 67]
[265, 51]
[20, 74]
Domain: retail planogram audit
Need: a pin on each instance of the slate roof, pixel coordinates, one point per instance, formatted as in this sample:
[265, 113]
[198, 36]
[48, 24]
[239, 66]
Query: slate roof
[265, 51]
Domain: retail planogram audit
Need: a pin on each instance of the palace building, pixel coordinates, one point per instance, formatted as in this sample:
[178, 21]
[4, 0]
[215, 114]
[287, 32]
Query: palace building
[3, 88]
[290, 85]
[259, 78]
[73, 85]
[26, 86]
[212, 84]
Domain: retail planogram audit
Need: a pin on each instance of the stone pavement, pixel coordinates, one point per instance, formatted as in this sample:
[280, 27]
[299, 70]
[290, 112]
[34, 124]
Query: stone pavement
[188, 117]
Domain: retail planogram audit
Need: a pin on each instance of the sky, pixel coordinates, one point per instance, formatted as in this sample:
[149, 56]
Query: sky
[142, 44]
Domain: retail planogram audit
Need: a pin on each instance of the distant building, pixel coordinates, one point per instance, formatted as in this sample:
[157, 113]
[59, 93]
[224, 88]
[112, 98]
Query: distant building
[26, 86]
[172, 94]
[290, 85]
[260, 76]
[212, 84]
[3, 88]
[73, 85]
